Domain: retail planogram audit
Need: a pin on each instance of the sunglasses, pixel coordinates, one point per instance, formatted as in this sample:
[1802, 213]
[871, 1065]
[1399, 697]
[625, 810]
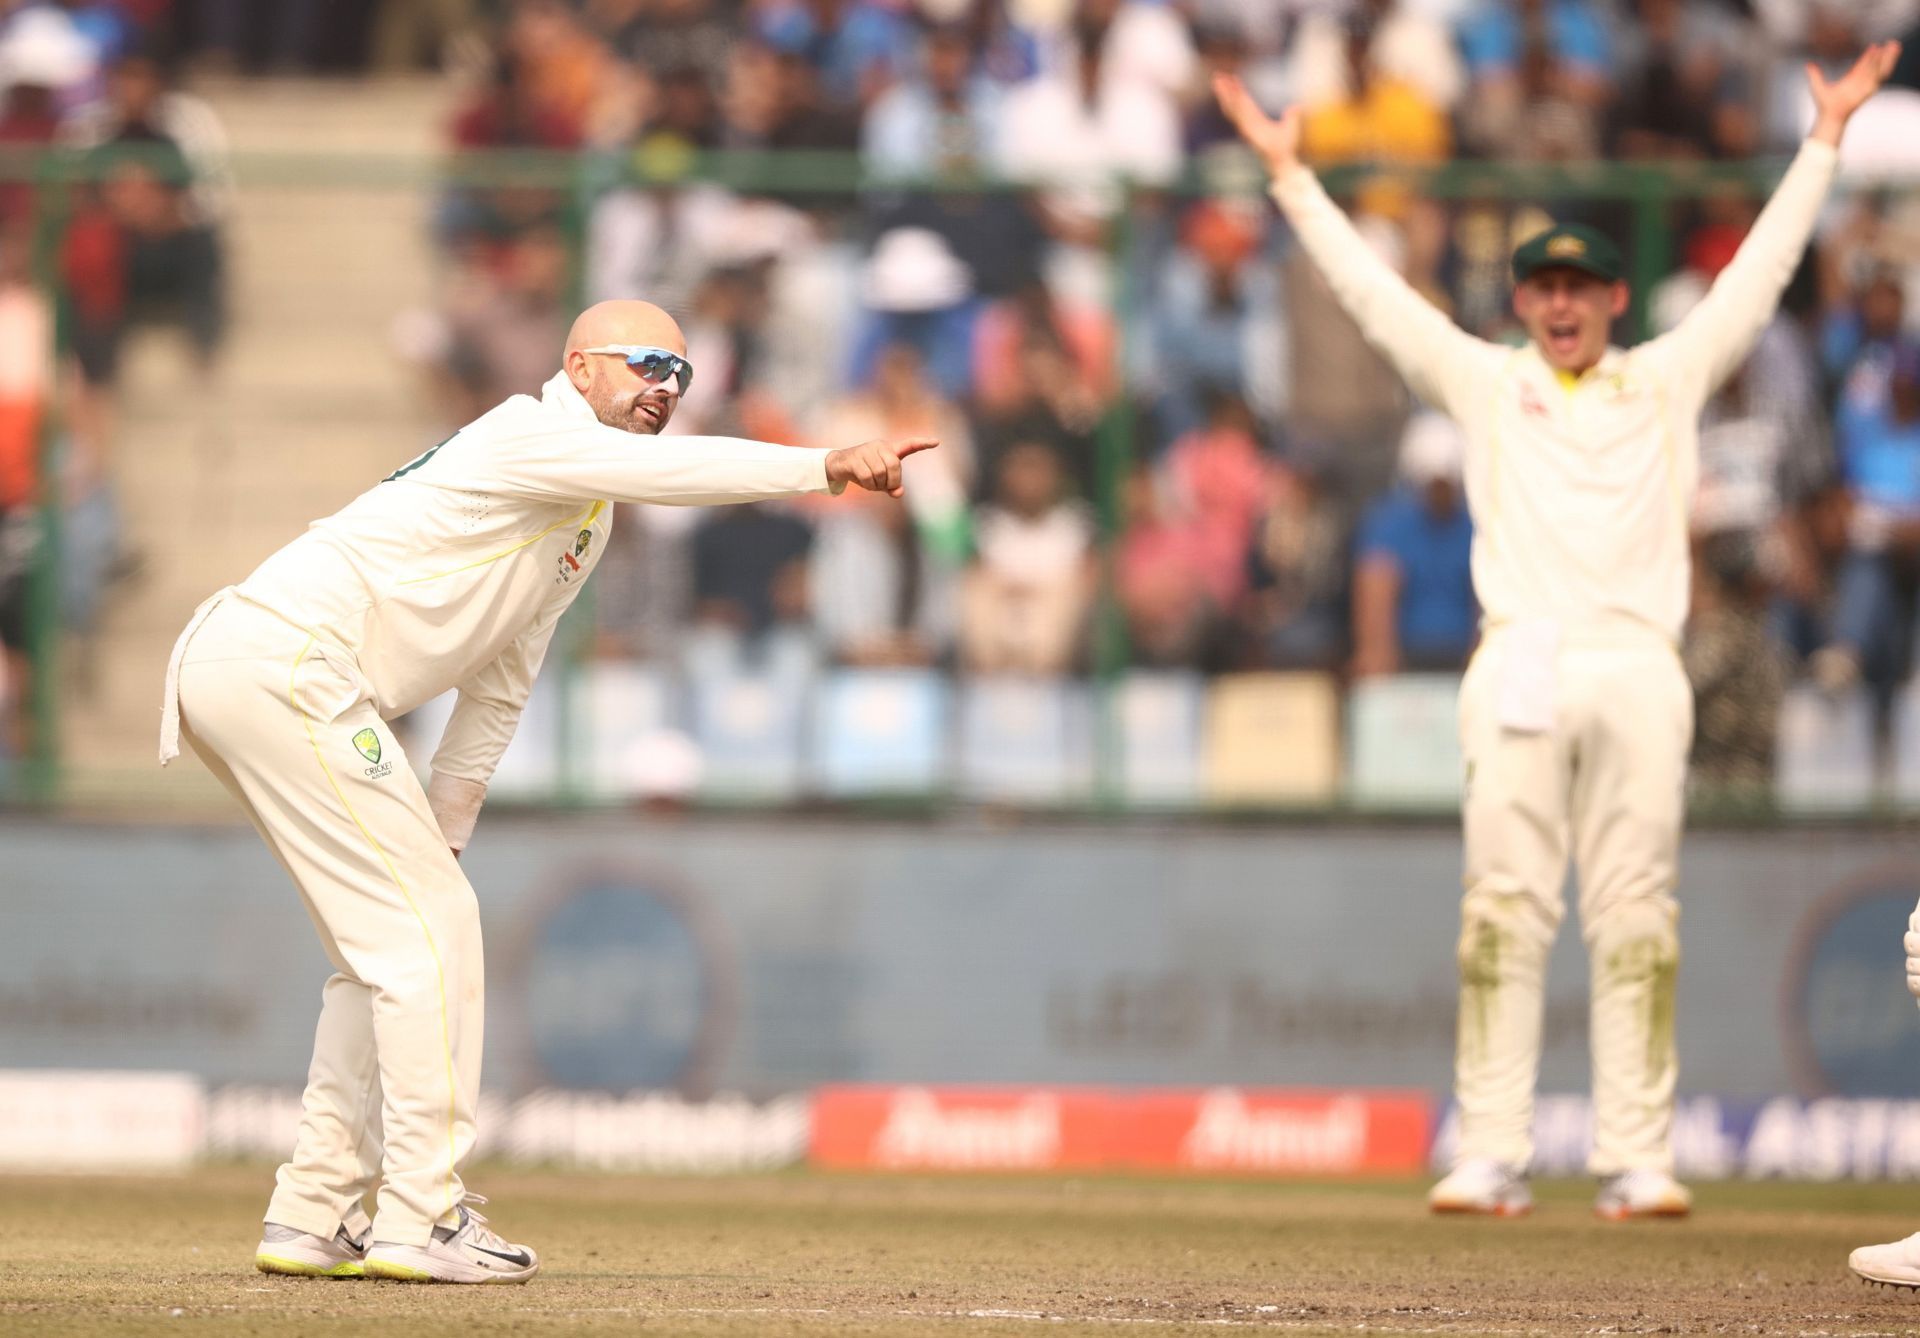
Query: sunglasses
[653, 364]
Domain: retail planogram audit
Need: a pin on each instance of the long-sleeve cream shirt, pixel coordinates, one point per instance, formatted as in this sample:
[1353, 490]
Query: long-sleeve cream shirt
[454, 570]
[1579, 490]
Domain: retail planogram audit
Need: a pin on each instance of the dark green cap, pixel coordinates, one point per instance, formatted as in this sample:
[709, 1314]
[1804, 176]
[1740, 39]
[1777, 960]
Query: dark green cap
[1567, 246]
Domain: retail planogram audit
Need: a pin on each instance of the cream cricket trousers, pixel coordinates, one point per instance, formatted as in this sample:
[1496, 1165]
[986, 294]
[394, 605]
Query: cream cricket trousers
[1607, 783]
[396, 1058]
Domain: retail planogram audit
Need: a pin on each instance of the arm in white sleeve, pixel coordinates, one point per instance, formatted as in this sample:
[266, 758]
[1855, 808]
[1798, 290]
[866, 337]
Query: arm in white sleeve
[1443, 363]
[482, 724]
[1718, 334]
[592, 460]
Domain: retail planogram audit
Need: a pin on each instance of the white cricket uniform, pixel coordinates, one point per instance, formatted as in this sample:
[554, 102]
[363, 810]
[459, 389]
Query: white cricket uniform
[1575, 714]
[451, 573]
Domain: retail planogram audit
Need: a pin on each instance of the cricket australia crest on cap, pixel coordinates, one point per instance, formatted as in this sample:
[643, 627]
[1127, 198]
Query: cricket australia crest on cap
[1566, 247]
[367, 744]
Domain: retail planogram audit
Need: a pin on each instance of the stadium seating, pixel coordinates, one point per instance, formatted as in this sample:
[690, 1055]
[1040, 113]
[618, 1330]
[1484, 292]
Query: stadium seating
[882, 732]
[1272, 740]
[1158, 717]
[1403, 741]
[750, 730]
[1825, 760]
[1025, 740]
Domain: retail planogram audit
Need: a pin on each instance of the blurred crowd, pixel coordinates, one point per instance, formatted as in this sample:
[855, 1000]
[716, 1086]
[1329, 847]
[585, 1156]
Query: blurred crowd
[1022, 226]
[1164, 444]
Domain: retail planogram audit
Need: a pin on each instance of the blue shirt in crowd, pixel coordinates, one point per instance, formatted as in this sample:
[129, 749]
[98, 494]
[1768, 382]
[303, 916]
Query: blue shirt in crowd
[1494, 38]
[1438, 614]
[1880, 459]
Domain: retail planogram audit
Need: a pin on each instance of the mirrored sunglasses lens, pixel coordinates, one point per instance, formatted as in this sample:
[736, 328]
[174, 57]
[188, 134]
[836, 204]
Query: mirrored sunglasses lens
[658, 367]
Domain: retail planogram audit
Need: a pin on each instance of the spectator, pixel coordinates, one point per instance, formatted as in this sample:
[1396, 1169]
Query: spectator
[1373, 114]
[662, 36]
[1294, 615]
[749, 584]
[505, 318]
[854, 48]
[1682, 90]
[1043, 371]
[941, 121]
[1880, 463]
[1736, 671]
[902, 401]
[1217, 322]
[881, 597]
[1161, 571]
[1343, 394]
[1540, 80]
[1413, 603]
[137, 251]
[1216, 477]
[1076, 131]
[1026, 596]
[1401, 46]
[917, 292]
[143, 104]
[26, 386]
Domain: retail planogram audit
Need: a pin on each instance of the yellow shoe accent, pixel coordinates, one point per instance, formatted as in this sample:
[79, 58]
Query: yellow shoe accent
[392, 1272]
[295, 1268]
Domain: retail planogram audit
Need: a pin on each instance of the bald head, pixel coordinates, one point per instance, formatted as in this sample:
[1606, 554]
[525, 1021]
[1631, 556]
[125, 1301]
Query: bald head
[620, 396]
[625, 323]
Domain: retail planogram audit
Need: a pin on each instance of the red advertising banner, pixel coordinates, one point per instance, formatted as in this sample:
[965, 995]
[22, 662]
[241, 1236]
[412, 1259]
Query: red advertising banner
[1222, 1130]
[961, 1128]
[1283, 1131]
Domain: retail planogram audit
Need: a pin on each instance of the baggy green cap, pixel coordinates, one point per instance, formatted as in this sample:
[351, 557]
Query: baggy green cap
[1567, 246]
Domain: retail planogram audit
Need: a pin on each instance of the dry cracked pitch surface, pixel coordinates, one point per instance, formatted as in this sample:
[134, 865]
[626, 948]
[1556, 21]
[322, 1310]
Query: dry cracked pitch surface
[815, 1254]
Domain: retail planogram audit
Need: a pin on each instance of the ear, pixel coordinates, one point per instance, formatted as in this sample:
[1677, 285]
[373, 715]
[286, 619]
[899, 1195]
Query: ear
[1520, 302]
[578, 371]
[1618, 303]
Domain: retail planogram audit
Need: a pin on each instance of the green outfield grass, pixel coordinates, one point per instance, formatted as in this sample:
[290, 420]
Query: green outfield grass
[818, 1254]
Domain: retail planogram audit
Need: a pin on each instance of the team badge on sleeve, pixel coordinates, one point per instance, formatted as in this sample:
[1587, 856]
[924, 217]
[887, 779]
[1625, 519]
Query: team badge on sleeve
[571, 562]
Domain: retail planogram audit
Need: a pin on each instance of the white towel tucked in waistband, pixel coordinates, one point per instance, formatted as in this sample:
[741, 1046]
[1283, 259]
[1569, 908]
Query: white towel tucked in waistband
[170, 705]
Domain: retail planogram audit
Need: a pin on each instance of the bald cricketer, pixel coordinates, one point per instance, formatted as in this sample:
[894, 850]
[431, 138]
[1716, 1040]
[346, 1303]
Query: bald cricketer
[451, 573]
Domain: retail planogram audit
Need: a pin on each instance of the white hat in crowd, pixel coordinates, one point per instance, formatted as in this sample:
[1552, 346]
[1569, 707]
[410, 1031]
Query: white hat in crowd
[1431, 449]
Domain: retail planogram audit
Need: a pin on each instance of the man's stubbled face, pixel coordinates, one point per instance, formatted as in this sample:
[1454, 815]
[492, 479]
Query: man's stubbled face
[622, 398]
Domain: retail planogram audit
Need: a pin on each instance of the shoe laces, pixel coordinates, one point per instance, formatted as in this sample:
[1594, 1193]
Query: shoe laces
[474, 1223]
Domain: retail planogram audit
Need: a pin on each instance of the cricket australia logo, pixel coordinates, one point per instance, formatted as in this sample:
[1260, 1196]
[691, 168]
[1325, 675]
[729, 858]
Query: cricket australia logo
[571, 562]
[367, 743]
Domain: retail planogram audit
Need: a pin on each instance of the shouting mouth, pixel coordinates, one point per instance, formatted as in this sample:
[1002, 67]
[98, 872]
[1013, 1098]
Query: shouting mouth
[1563, 339]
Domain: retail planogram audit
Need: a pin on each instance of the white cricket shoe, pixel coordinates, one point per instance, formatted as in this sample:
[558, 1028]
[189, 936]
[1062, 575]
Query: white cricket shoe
[298, 1254]
[469, 1252]
[1895, 1265]
[1642, 1193]
[1482, 1185]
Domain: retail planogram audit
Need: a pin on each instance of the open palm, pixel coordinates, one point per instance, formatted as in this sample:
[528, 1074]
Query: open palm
[1840, 99]
[1276, 141]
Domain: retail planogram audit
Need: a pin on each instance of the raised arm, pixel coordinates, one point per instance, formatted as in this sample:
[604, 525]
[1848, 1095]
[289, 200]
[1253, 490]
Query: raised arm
[1439, 359]
[1719, 333]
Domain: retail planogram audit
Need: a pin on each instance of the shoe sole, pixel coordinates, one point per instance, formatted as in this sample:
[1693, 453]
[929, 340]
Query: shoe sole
[1634, 1214]
[1479, 1210]
[1898, 1284]
[388, 1271]
[301, 1268]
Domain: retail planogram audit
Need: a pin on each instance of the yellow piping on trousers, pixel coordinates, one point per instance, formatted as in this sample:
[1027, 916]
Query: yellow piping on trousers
[433, 950]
